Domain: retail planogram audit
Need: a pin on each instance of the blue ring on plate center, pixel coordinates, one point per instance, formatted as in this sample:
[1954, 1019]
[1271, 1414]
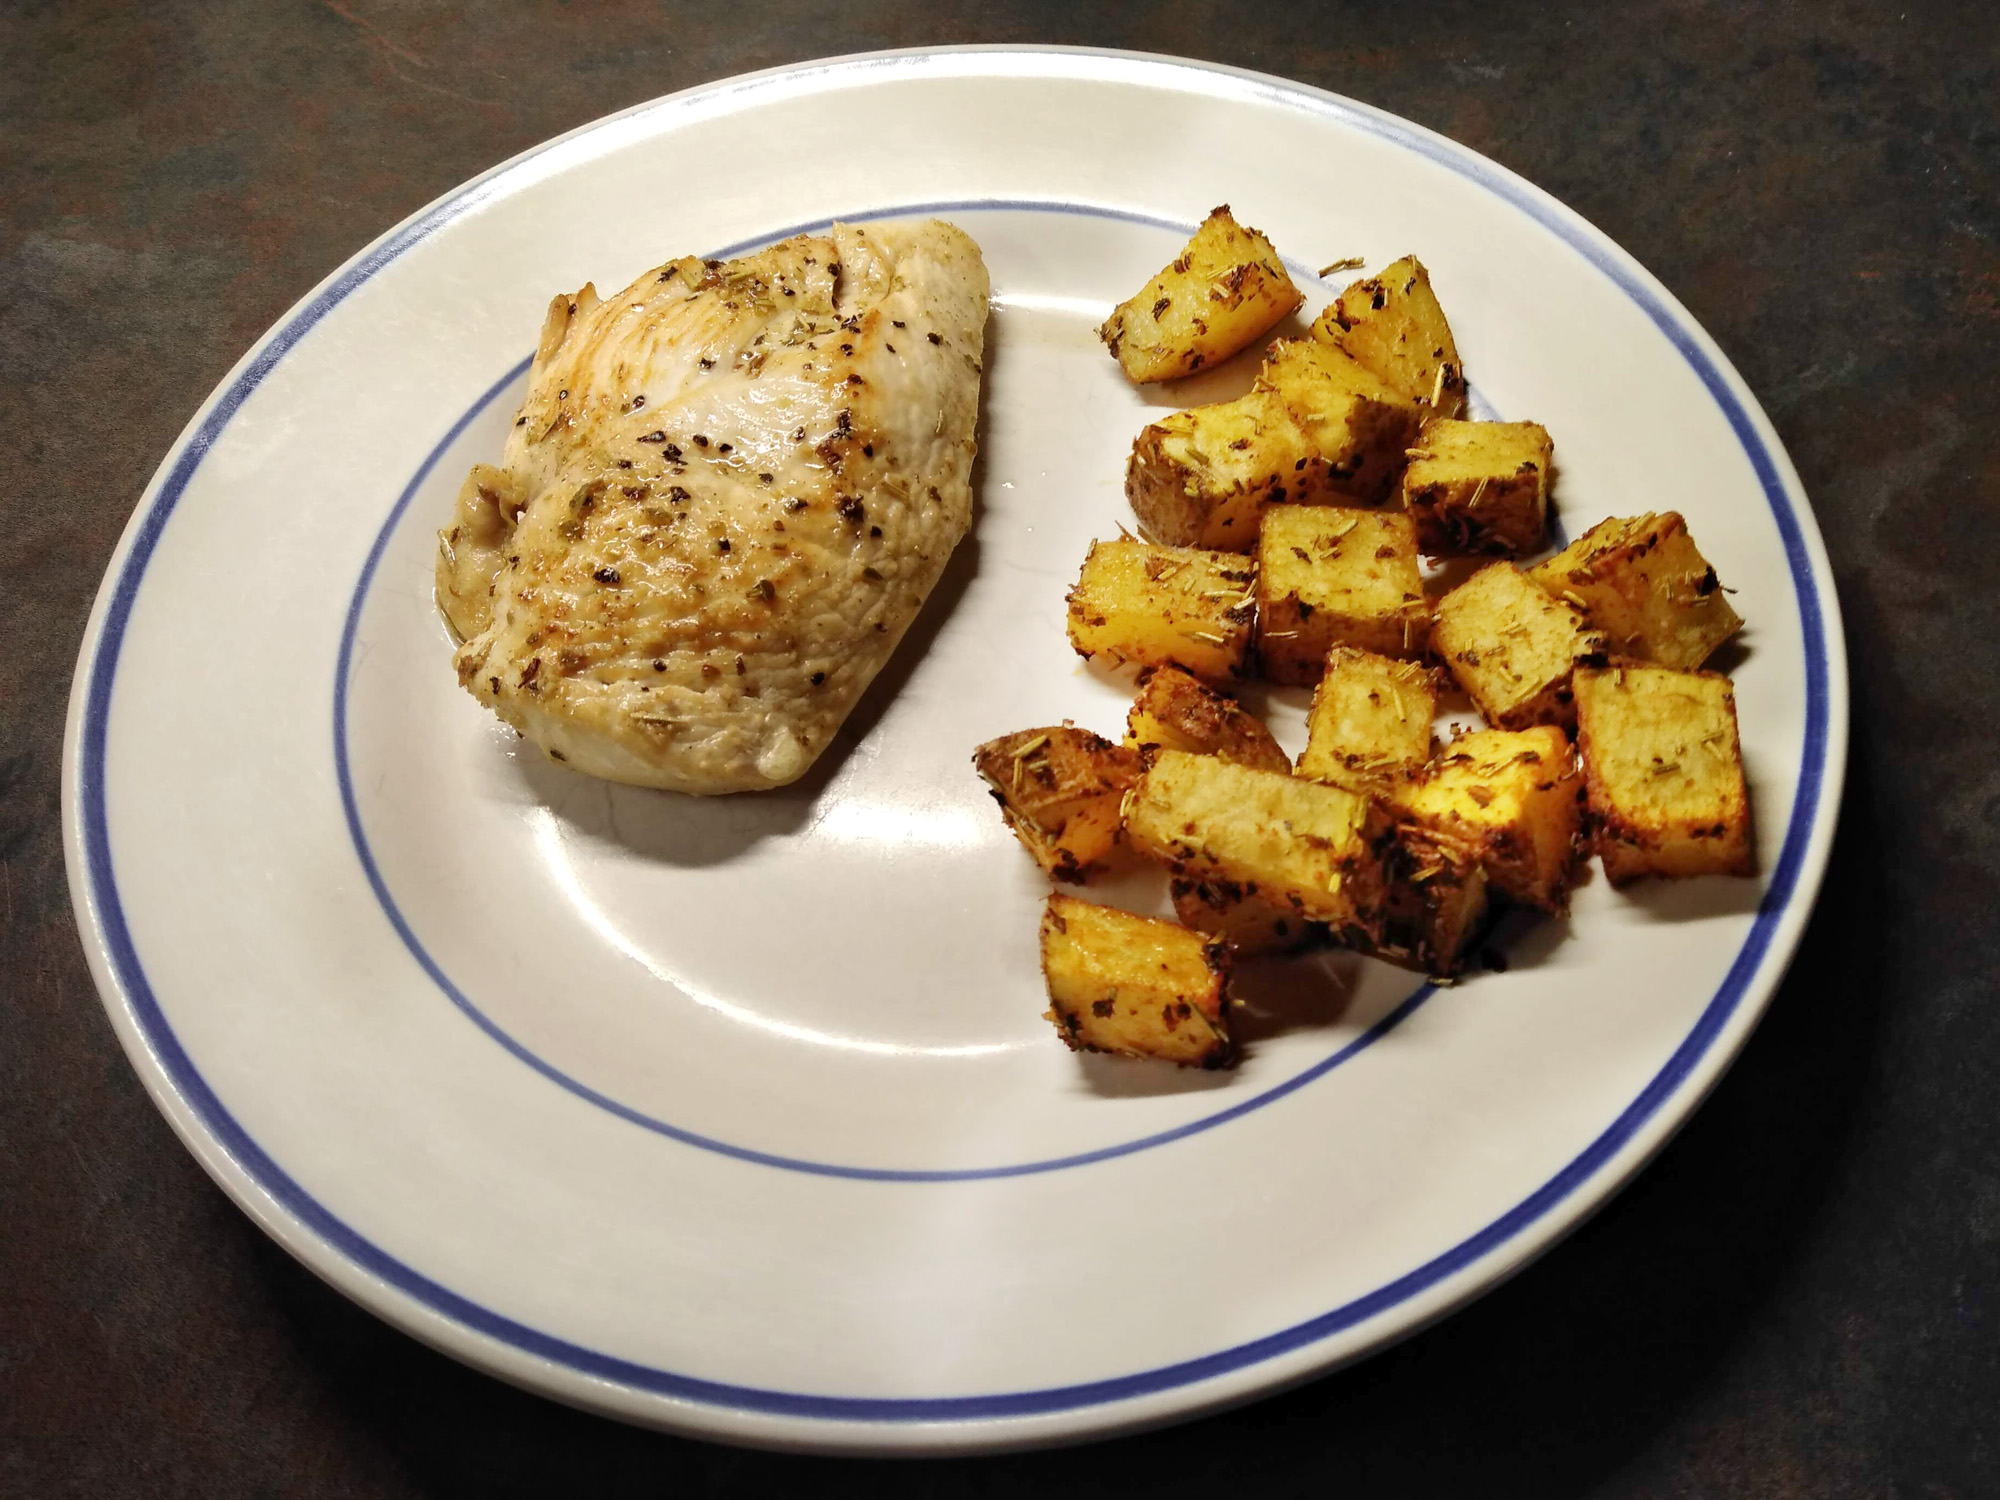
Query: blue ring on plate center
[379, 884]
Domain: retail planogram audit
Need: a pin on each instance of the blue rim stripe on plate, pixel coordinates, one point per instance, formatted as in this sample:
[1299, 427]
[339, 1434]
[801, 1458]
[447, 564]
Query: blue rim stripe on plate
[261, 1169]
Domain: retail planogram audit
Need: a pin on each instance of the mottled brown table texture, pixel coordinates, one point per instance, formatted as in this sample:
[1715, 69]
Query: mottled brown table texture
[1800, 1297]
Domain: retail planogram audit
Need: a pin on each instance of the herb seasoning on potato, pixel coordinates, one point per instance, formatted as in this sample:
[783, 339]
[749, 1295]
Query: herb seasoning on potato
[1223, 292]
[1348, 462]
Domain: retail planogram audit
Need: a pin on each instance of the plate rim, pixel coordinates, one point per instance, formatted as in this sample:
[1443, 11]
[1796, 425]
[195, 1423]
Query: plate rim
[953, 1424]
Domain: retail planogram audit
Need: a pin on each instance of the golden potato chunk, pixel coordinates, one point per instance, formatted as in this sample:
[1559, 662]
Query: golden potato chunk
[1479, 487]
[1203, 477]
[1392, 324]
[1437, 904]
[1161, 606]
[1354, 422]
[1645, 584]
[1059, 790]
[1663, 772]
[1135, 985]
[1335, 576]
[1175, 711]
[1315, 849]
[1513, 647]
[1511, 799]
[1243, 917]
[1370, 725]
[1222, 293]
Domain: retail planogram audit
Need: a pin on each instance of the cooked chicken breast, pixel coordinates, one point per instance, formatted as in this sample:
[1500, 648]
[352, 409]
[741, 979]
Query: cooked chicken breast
[725, 498]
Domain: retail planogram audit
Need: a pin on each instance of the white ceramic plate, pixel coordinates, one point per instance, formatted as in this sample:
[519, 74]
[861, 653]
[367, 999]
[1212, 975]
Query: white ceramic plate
[739, 1116]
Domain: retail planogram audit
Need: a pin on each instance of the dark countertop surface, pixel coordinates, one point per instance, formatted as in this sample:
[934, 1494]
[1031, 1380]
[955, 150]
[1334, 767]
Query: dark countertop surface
[1800, 1297]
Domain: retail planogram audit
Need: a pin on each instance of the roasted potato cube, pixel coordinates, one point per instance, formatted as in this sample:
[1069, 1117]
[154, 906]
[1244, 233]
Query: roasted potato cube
[1359, 427]
[1645, 584]
[1512, 800]
[1223, 292]
[1393, 325]
[1513, 647]
[1161, 605]
[1203, 477]
[1663, 772]
[1316, 849]
[1059, 790]
[1243, 917]
[1479, 487]
[1135, 985]
[1335, 576]
[1174, 711]
[1437, 904]
[1370, 725]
